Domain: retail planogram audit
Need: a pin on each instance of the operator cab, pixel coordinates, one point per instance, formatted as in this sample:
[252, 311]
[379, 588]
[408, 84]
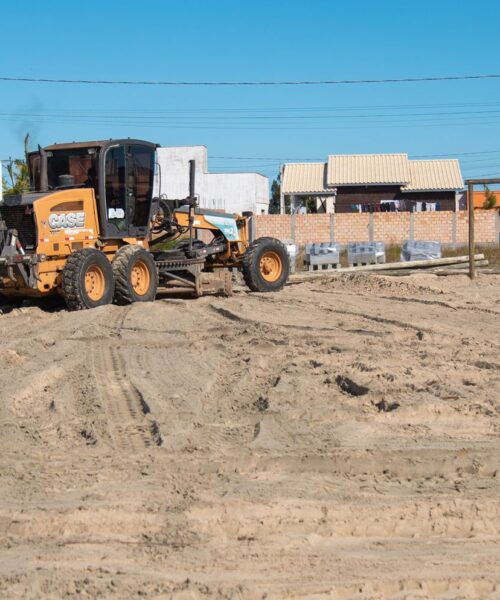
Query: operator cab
[121, 173]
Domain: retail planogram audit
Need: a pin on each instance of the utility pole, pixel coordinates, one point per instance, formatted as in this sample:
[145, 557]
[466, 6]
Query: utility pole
[472, 262]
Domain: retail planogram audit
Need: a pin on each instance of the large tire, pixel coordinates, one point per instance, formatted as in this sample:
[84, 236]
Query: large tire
[87, 280]
[266, 265]
[136, 277]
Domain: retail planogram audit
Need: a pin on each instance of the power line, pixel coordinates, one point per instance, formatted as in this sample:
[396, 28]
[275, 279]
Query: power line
[457, 154]
[217, 168]
[279, 159]
[280, 110]
[322, 158]
[51, 115]
[495, 174]
[254, 127]
[249, 83]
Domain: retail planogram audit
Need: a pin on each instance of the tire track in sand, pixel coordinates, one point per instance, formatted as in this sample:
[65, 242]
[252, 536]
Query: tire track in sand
[131, 426]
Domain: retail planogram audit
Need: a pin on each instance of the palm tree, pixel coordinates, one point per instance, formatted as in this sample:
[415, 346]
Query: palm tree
[18, 180]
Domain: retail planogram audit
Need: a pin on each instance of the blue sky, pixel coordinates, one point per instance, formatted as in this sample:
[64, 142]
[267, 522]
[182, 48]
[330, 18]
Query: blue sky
[253, 128]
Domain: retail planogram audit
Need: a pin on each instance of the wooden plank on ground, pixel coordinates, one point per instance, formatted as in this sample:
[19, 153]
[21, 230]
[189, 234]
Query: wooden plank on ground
[414, 264]
[446, 269]
[420, 265]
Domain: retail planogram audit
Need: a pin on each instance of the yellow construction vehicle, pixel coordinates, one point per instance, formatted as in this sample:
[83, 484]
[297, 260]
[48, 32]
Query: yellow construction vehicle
[88, 229]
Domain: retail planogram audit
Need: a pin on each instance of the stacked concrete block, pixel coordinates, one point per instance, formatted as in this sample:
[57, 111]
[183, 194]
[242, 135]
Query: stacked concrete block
[365, 253]
[420, 250]
[322, 256]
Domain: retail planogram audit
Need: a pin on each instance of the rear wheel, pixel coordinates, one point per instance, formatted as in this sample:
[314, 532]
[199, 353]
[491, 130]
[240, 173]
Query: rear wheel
[136, 278]
[87, 280]
[266, 265]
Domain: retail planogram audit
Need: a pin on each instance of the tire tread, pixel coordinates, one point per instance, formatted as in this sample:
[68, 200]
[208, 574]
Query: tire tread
[251, 274]
[71, 288]
[123, 291]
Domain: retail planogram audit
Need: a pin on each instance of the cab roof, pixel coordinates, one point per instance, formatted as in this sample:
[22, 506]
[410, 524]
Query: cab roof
[99, 144]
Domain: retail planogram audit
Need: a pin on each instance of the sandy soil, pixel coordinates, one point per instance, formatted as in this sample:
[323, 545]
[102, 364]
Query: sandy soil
[339, 439]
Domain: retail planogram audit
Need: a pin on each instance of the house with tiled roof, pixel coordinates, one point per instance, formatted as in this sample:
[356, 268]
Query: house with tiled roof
[372, 183]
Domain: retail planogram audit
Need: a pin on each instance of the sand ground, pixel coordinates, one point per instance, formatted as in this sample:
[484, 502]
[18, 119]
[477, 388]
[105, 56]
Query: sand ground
[339, 439]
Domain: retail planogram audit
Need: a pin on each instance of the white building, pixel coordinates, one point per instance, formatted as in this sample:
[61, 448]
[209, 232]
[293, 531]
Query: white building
[230, 192]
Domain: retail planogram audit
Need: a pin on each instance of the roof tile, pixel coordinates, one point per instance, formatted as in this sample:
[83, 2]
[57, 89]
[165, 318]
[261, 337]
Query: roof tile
[304, 178]
[368, 169]
[434, 175]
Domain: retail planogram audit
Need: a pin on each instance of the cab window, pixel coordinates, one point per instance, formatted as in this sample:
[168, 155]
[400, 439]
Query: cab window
[140, 174]
[73, 167]
[116, 197]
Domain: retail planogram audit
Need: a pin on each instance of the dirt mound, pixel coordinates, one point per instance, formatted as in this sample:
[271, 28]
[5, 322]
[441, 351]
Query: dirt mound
[371, 282]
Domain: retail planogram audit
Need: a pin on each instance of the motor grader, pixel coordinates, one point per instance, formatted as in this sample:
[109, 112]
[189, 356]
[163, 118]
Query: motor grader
[91, 230]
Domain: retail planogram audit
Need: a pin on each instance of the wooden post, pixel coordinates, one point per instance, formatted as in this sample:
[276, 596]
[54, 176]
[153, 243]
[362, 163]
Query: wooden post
[472, 264]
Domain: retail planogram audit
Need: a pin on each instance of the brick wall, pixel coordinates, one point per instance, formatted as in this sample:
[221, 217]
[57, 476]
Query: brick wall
[307, 226]
[348, 227]
[436, 224]
[278, 226]
[391, 228]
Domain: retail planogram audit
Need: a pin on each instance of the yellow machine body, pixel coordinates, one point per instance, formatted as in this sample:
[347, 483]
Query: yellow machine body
[235, 249]
[65, 221]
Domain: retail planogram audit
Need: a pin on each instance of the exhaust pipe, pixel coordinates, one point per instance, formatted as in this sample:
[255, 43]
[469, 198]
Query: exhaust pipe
[192, 172]
[44, 180]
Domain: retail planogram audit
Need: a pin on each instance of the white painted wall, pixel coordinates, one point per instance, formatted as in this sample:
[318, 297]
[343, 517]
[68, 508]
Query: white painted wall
[232, 192]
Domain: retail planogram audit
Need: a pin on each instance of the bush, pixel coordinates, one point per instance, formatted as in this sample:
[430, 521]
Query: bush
[490, 199]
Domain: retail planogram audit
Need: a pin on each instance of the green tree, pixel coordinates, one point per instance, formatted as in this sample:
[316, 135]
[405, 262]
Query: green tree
[310, 204]
[17, 180]
[490, 199]
[274, 203]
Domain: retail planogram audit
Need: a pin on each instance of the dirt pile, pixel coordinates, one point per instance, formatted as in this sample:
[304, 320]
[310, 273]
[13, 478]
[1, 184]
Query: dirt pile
[338, 439]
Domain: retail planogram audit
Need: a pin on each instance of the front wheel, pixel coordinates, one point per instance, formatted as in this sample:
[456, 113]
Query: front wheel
[136, 278]
[87, 280]
[266, 265]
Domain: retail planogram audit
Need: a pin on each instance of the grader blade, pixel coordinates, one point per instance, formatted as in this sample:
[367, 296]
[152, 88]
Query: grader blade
[219, 282]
